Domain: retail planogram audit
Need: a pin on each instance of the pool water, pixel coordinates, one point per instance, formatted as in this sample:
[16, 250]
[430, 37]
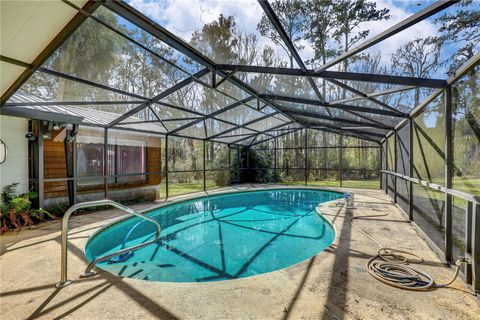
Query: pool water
[220, 237]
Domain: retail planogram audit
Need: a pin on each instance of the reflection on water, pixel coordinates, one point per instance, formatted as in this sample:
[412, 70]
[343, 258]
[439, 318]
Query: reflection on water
[221, 237]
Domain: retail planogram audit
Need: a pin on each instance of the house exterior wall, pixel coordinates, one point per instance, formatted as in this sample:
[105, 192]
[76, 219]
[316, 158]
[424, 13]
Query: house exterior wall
[15, 167]
[56, 192]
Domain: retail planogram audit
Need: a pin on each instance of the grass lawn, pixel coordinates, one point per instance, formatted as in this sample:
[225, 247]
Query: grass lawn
[468, 185]
[471, 186]
[364, 184]
[175, 189]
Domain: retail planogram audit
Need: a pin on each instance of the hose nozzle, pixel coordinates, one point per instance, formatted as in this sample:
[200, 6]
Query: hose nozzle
[462, 260]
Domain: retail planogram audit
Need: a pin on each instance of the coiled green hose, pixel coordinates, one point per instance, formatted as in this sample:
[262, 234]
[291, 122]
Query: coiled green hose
[390, 266]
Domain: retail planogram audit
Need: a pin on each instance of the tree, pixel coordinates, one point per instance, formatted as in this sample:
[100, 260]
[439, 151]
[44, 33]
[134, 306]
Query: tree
[319, 22]
[291, 15]
[89, 53]
[418, 58]
[320, 28]
[462, 28]
[349, 16]
[224, 43]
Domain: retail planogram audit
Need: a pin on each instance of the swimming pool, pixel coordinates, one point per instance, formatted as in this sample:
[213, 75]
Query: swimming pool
[220, 237]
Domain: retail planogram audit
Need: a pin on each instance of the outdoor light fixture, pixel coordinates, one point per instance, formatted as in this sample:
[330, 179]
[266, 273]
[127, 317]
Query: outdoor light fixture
[30, 136]
[3, 151]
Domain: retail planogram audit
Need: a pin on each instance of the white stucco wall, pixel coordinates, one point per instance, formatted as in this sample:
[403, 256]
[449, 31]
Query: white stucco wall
[15, 168]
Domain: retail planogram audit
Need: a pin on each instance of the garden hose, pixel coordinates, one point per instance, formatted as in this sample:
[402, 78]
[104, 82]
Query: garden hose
[390, 266]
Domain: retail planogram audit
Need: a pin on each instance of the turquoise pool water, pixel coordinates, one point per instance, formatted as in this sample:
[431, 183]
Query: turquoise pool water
[220, 237]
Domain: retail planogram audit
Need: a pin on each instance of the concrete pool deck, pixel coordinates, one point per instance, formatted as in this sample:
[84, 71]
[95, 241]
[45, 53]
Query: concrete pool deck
[333, 284]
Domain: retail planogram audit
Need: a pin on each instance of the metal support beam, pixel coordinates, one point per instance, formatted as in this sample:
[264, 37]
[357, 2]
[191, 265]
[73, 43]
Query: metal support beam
[59, 39]
[129, 38]
[379, 158]
[359, 130]
[240, 126]
[160, 96]
[156, 30]
[358, 93]
[40, 166]
[282, 134]
[448, 172]
[340, 120]
[349, 134]
[204, 169]
[378, 78]
[271, 15]
[436, 187]
[351, 129]
[395, 163]
[213, 114]
[214, 79]
[166, 166]
[340, 166]
[410, 21]
[253, 140]
[387, 165]
[367, 118]
[238, 164]
[89, 83]
[225, 78]
[305, 141]
[136, 17]
[476, 248]
[143, 121]
[373, 94]
[275, 165]
[381, 166]
[410, 171]
[247, 137]
[340, 75]
[229, 162]
[150, 26]
[67, 142]
[75, 169]
[361, 94]
[275, 98]
[248, 164]
[463, 70]
[467, 271]
[105, 163]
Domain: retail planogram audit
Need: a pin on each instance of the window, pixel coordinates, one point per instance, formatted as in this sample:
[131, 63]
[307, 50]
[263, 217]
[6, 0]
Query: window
[90, 163]
[121, 159]
[129, 160]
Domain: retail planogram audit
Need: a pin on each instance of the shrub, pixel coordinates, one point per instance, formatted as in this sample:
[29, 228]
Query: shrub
[16, 211]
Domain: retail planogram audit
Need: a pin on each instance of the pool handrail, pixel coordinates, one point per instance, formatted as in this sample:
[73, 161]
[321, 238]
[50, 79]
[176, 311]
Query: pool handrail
[105, 202]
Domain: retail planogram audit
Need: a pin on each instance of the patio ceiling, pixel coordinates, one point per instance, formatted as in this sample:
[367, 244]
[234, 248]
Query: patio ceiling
[195, 96]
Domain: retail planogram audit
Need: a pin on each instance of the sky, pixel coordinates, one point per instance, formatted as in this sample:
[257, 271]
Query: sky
[183, 17]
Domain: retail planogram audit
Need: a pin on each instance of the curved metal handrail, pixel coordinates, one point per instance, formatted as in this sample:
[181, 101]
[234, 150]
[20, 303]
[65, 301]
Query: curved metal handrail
[63, 262]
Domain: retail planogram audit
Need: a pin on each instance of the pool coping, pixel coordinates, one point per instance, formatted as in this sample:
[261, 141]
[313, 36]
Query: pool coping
[193, 197]
[333, 282]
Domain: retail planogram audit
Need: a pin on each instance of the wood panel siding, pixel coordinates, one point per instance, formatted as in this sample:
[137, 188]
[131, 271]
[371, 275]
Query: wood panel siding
[55, 167]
